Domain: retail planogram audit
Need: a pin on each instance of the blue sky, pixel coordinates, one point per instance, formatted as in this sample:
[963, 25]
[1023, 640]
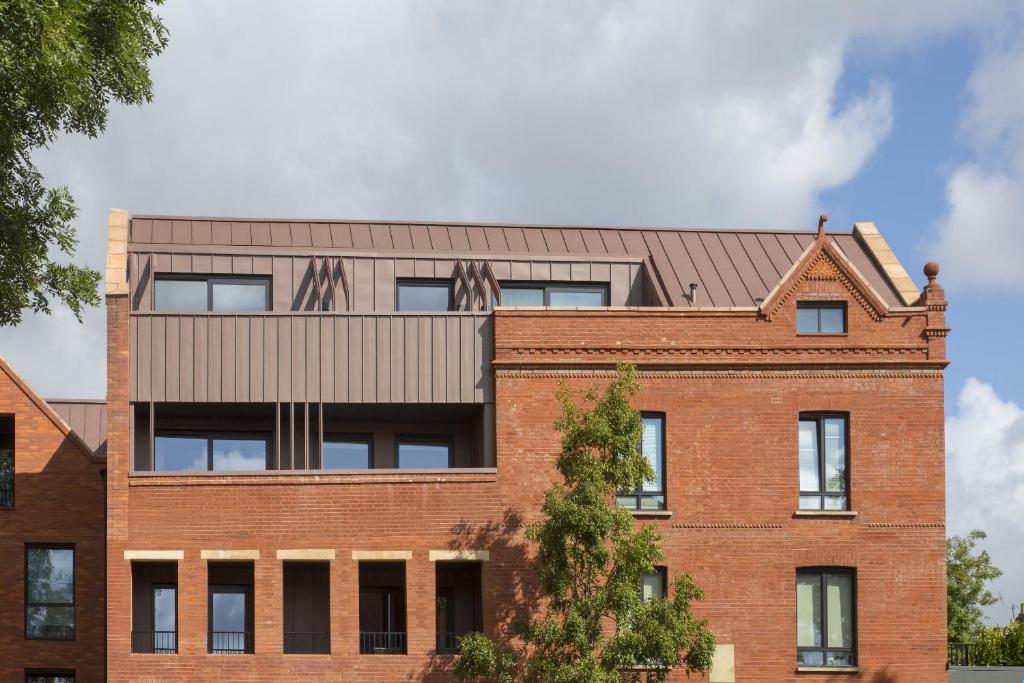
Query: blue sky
[745, 114]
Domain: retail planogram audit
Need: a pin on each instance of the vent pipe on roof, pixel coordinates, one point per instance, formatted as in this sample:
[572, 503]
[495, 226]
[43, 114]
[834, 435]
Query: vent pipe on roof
[822, 219]
[693, 293]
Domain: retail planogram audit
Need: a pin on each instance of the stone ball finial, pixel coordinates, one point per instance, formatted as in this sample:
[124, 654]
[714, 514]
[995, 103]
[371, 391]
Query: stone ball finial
[931, 270]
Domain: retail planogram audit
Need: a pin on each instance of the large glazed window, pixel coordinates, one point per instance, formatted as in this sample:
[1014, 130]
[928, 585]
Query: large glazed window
[824, 462]
[534, 294]
[49, 592]
[230, 608]
[821, 317]
[6, 461]
[238, 294]
[651, 494]
[424, 295]
[154, 607]
[215, 452]
[825, 617]
[424, 452]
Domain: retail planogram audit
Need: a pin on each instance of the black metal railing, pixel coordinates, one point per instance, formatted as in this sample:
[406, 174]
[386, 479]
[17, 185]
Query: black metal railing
[155, 642]
[307, 642]
[230, 642]
[959, 654]
[382, 642]
[448, 642]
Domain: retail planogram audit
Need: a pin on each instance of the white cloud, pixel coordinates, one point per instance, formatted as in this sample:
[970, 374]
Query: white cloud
[985, 482]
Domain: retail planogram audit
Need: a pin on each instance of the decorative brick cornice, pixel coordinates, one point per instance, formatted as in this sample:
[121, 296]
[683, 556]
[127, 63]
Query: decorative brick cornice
[722, 372]
[712, 351]
[727, 525]
[906, 525]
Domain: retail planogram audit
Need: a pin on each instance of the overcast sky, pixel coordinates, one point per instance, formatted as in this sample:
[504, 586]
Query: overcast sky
[718, 114]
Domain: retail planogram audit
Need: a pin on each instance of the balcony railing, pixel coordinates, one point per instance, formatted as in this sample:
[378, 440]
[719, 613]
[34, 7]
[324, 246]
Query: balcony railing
[382, 643]
[230, 642]
[155, 642]
[959, 654]
[307, 642]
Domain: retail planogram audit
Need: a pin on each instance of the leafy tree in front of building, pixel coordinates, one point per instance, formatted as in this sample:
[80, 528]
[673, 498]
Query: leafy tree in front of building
[595, 626]
[61, 64]
[967, 575]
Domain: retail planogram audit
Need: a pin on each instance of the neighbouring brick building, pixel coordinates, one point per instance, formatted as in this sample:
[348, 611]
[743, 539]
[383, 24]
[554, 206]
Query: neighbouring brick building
[325, 438]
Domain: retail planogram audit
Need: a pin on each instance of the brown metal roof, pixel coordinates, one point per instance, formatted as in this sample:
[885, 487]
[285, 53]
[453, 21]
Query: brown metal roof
[731, 267]
[87, 418]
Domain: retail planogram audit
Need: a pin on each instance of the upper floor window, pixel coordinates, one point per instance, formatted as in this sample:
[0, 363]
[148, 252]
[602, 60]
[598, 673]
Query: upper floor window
[654, 585]
[216, 452]
[187, 293]
[825, 612]
[6, 461]
[539, 294]
[347, 453]
[821, 317]
[50, 592]
[651, 494]
[424, 295]
[824, 462]
[424, 452]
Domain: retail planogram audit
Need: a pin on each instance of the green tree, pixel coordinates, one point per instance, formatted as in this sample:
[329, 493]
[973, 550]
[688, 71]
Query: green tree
[61, 64]
[595, 626]
[967, 573]
[998, 645]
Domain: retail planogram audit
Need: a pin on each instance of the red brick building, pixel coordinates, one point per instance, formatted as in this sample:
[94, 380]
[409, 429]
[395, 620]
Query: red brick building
[325, 438]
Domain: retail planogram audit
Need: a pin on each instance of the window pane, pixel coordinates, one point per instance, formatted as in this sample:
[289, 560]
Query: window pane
[164, 617]
[54, 622]
[652, 586]
[649, 502]
[627, 501]
[810, 658]
[229, 614]
[423, 297]
[51, 575]
[810, 502]
[809, 456]
[240, 296]
[346, 455]
[423, 455]
[839, 601]
[180, 453]
[839, 659]
[806, 319]
[808, 610]
[577, 298]
[522, 296]
[239, 454]
[835, 454]
[832, 319]
[836, 503]
[651, 448]
[180, 295]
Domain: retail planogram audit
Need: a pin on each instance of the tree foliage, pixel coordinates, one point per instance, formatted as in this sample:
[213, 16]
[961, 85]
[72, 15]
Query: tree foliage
[998, 645]
[595, 626]
[62, 62]
[967, 575]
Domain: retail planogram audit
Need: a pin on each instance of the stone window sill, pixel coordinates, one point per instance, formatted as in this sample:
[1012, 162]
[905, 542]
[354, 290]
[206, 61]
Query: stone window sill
[652, 514]
[828, 669]
[826, 514]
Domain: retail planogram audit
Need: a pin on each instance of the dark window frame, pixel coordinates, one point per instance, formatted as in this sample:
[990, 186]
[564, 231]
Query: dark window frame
[425, 282]
[818, 306]
[153, 587]
[51, 673]
[639, 493]
[7, 488]
[821, 573]
[348, 437]
[571, 287]
[425, 440]
[210, 437]
[819, 417]
[74, 590]
[249, 633]
[210, 281]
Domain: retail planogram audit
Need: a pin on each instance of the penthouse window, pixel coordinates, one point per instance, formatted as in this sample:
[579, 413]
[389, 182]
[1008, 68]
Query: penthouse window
[536, 294]
[424, 296]
[424, 452]
[825, 615]
[651, 494]
[824, 462]
[50, 592]
[188, 293]
[821, 317]
[6, 461]
[347, 452]
[226, 452]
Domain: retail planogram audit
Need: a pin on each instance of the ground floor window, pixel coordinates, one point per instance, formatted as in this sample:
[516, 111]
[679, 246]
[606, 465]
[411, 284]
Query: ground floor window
[825, 617]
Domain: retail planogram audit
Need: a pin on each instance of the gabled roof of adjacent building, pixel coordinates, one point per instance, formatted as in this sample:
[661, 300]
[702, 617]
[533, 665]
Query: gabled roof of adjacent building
[730, 267]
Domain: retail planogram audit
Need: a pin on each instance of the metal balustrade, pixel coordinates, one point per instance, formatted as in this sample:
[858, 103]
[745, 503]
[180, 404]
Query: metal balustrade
[230, 642]
[155, 642]
[382, 643]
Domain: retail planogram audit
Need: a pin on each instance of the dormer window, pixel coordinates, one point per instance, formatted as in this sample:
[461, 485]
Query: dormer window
[821, 317]
[189, 293]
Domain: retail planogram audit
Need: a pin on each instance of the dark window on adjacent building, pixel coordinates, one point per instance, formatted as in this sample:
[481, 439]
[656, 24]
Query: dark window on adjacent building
[382, 608]
[50, 676]
[824, 462]
[536, 294]
[655, 584]
[216, 452]
[186, 293]
[347, 453]
[651, 495]
[230, 607]
[50, 592]
[155, 607]
[424, 295]
[825, 617]
[307, 613]
[423, 452]
[821, 317]
[458, 603]
[6, 461]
